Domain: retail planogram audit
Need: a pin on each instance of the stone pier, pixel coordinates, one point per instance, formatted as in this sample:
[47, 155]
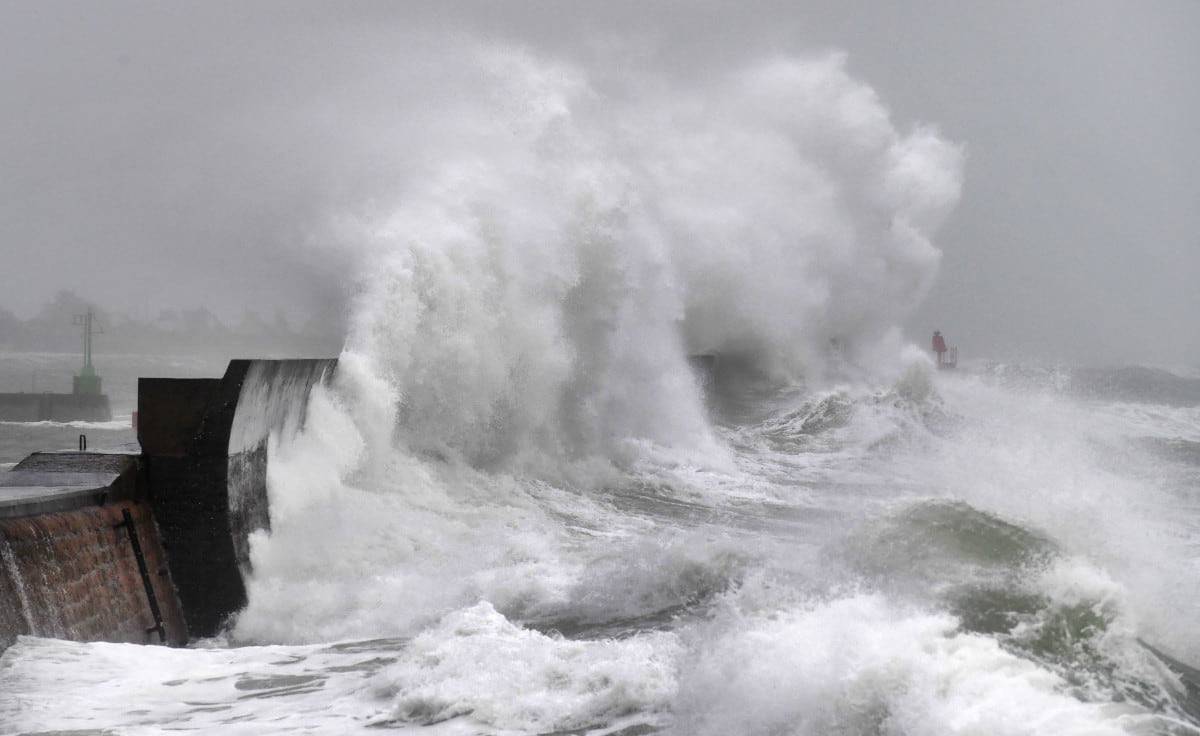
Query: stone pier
[150, 547]
[69, 567]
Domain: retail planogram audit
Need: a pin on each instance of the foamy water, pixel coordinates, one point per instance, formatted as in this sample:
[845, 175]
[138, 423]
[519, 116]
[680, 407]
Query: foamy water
[117, 423]
[518, 510]
[966, 562]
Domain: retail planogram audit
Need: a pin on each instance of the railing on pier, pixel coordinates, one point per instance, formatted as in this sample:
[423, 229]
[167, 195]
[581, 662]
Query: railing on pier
[949, 359]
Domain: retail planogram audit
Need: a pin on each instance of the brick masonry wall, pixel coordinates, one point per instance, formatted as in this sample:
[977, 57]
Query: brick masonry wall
[74, 575]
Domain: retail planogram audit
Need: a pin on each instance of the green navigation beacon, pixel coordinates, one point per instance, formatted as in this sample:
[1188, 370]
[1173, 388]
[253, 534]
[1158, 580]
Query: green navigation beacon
[87, 383]
[84, 403]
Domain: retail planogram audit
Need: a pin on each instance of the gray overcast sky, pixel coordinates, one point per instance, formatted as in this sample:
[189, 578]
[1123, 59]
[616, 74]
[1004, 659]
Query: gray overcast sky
[171, 154]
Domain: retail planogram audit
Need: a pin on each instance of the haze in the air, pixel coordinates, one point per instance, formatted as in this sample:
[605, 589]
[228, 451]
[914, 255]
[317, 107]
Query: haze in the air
[171, 156]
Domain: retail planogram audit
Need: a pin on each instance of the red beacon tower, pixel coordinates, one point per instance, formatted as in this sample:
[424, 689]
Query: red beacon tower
[947, 357]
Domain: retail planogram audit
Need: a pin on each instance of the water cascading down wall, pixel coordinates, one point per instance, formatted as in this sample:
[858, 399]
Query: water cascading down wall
[150, 547]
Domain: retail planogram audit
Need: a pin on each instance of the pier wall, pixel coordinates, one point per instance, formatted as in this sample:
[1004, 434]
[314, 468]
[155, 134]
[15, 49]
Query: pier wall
[73, 575]
[68, 566]
[205, 446]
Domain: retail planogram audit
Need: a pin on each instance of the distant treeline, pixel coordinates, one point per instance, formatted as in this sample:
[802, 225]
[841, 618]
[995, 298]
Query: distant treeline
[198, 330]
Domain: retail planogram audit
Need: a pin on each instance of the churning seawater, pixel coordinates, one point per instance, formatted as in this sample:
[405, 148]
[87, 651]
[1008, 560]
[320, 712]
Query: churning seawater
[518, 511]
[950, 554]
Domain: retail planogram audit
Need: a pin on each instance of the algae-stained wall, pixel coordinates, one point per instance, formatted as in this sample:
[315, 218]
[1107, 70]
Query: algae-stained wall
[74, 575]
[197, 491]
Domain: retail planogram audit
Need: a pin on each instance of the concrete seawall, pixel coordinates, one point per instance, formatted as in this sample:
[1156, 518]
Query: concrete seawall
[69, 567]
[205, 446]
[153, 547]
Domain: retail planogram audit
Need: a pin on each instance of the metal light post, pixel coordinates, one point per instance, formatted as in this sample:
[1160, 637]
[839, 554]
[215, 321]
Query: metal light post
[87, 382]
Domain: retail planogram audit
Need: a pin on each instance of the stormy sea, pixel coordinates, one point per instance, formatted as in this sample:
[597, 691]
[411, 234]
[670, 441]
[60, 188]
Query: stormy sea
[988, 551]
[525, 505]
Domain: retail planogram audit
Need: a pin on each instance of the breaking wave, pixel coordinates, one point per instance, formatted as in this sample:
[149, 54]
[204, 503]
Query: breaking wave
[535, 299]
[519, 467]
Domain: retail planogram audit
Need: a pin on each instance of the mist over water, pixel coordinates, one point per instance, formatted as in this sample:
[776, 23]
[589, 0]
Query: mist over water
[519, 509]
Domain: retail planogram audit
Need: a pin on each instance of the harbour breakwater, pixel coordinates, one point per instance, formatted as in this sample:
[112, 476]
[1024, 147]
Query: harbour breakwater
[150, 546]
[51, 407]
